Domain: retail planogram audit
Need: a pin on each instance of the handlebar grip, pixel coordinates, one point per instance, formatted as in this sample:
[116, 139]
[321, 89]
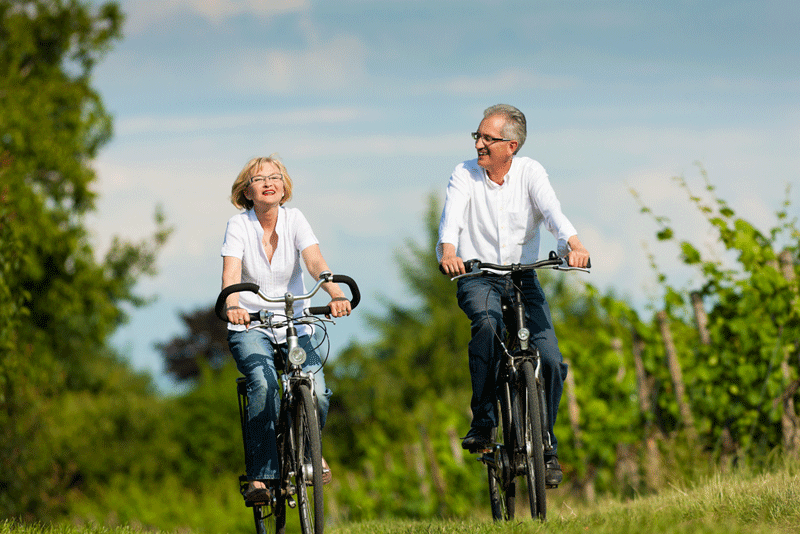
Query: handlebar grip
[219, 307]
[553, 256]
[354, 292]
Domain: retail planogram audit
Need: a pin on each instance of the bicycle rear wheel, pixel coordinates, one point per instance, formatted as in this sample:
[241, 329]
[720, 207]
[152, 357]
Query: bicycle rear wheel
[531, 440]
[263, 521]
[308, 463]
[502, 484]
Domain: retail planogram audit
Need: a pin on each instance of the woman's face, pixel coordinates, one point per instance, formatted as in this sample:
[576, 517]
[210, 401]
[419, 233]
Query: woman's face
[266, 186]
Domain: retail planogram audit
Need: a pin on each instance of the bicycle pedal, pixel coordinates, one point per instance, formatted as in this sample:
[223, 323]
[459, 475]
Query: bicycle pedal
[551, 486]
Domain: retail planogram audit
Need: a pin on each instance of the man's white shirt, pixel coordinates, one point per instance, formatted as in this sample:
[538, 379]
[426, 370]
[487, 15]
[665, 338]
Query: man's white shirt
[500, 223]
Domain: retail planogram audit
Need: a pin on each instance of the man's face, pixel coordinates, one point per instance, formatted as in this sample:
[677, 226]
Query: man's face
[493, 154]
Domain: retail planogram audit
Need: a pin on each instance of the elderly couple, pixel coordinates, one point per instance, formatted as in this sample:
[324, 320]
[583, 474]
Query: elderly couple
[494, 207]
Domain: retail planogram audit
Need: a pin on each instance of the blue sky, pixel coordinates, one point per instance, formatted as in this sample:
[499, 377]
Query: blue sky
[370, 105]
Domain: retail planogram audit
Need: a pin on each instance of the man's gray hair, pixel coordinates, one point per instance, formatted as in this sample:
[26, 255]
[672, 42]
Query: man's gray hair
[515, 127]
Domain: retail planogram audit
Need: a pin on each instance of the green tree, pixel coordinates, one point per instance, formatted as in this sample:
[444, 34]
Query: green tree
[63, 304]
[205, 344]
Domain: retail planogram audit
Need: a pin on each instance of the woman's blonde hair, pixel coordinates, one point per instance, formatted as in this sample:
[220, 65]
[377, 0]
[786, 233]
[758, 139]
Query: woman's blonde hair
[242, 181]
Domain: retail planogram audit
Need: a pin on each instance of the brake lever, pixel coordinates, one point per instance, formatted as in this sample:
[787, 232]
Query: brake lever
[568, 268]
[466, 275]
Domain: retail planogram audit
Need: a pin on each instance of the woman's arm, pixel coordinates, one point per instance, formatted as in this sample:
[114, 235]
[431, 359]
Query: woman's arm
[232, 274]
[315, 263]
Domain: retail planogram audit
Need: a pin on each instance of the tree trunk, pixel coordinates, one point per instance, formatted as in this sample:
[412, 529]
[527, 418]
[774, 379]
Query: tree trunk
[677, 377]
[586, 483]
[700, 317]
[652, 460]
[790, 425]
[436, 472]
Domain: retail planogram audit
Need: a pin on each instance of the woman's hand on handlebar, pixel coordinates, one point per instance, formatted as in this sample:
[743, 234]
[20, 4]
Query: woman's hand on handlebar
[340, 307]
[237, 315]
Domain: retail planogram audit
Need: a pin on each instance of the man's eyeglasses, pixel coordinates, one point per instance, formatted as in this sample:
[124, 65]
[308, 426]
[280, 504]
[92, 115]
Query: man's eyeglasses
[260, 179]
[487, 139]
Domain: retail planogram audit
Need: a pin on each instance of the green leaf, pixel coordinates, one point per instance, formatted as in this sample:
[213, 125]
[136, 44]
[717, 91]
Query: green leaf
[665, 234]
[690, 254]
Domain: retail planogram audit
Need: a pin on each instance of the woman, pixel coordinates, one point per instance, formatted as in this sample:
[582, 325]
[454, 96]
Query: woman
[264, 244]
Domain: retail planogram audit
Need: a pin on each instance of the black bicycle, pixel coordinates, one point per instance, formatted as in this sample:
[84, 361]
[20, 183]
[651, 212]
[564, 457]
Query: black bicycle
[300, 483]
[522, 429]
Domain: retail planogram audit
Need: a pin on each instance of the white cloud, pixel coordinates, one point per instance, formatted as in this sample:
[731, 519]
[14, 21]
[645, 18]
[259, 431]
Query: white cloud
[143, 14]
[205, 123]
[335, 65]
[504, 81]
[217, 10]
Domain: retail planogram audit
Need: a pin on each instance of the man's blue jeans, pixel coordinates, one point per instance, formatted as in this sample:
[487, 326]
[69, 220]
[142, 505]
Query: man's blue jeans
[254, 354]
[480, 298]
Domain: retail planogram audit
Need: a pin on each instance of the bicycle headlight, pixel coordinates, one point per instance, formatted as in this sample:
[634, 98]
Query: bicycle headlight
[297, 356]
[524, 334]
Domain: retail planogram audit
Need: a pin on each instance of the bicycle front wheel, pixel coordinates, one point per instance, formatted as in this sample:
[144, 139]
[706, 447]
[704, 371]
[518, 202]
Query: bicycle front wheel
[308, 462]
[531, 439]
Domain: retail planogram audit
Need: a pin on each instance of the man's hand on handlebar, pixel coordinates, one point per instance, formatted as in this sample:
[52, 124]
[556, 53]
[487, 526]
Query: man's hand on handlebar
[452, 265]
[578, 256]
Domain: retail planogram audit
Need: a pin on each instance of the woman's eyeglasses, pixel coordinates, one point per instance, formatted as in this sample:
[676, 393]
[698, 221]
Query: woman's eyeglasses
[260, 179]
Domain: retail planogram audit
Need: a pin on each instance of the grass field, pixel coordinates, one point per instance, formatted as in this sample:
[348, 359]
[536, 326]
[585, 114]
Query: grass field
[731, 504]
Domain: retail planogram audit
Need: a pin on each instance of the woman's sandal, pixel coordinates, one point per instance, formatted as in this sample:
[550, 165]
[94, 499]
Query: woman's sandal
[254, 494]
[327, 476]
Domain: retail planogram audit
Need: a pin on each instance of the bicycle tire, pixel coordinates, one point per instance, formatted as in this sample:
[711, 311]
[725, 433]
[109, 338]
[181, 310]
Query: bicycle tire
[308, 454]
[261, 521]
[501, 499]
[279, 509]
[532, 439]
[502, 484]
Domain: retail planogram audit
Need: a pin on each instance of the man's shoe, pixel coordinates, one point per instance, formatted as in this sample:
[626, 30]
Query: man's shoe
[553, 475]
[477, 439]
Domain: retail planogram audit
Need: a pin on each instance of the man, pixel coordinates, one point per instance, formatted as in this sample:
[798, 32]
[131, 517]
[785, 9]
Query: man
[494, 207]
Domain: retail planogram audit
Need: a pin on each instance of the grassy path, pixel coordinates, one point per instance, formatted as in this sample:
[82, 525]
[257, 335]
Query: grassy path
[736, 504]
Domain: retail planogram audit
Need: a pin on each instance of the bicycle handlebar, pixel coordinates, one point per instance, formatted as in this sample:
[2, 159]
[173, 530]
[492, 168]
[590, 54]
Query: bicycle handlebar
[477, 267]
[219, 307]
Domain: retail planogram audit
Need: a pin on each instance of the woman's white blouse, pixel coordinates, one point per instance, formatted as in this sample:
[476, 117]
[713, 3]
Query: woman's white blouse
[243, 238]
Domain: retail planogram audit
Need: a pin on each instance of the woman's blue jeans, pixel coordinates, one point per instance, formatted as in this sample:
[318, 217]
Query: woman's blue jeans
[254, 354]
[480, 298]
